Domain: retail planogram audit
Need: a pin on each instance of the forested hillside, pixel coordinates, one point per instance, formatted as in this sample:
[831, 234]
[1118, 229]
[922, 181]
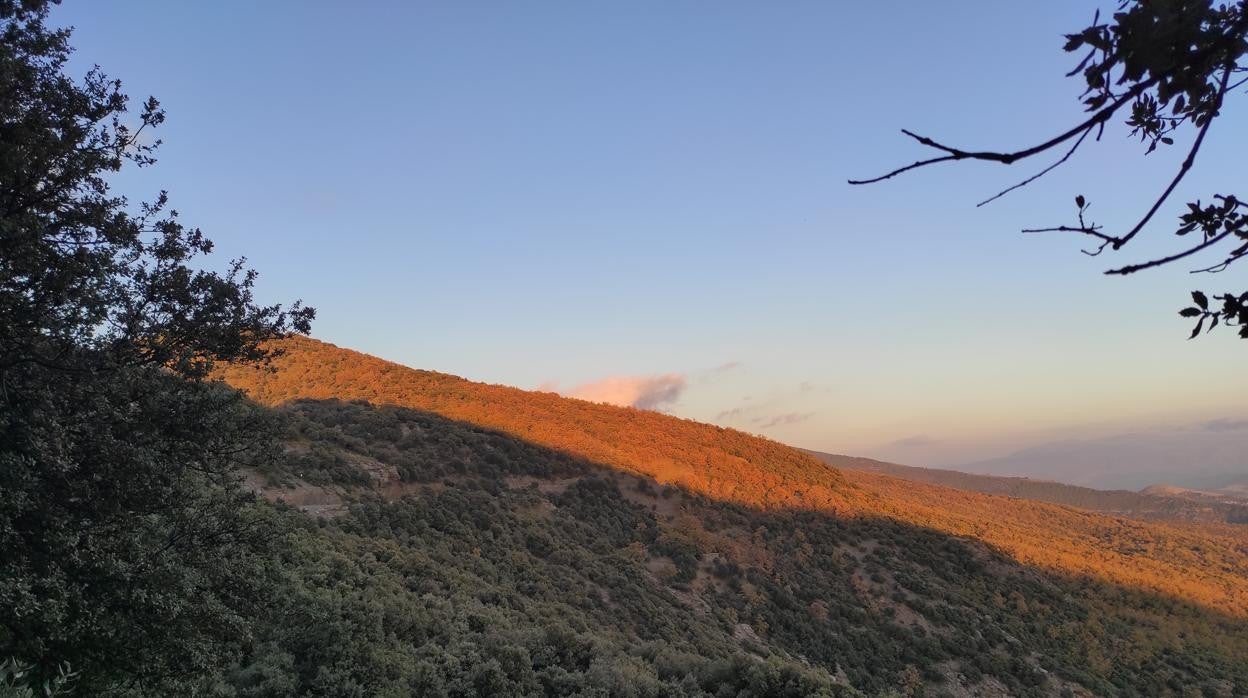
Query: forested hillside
[522, 540]
[722, 463]
[197, 500]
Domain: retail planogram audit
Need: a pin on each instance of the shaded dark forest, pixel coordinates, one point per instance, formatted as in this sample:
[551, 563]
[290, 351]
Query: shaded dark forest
[497, 566]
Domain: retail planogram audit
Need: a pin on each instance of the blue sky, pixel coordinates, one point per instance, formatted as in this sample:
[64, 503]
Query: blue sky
[553, 194]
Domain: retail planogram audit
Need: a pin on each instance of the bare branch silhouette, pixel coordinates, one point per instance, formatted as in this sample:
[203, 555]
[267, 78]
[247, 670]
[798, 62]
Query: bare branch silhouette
[1164, 67]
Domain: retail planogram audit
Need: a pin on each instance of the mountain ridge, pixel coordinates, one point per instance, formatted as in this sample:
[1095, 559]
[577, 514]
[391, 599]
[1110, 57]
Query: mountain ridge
[728, 465]
[1156, 503]
[838, 581]
[1195, 457]
[724, 456]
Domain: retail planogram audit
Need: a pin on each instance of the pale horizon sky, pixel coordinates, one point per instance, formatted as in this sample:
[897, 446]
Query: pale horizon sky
[610, 199]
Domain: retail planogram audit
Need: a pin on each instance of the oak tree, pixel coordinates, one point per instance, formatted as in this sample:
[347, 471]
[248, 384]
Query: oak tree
[129, 550]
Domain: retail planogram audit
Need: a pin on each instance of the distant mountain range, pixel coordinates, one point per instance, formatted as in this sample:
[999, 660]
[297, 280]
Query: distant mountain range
[1159, 502]
[1232, 490]
[1203, 456]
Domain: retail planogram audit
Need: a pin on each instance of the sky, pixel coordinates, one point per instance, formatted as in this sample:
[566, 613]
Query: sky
[646, 203]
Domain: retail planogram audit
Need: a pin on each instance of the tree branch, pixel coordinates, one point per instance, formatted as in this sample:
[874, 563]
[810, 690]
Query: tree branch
[1039, 174]
[1183, 169]
[1132, 268]
[1009, 158]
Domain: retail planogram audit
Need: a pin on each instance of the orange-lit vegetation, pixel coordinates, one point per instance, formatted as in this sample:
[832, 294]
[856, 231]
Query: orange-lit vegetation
[483, 546]
[727, 465]
[1205, 566]
[718, 462]
[879, 582]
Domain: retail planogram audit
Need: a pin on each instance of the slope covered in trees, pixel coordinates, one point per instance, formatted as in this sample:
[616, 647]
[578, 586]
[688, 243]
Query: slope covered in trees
[722, 463]
[728, 465]
[481, 500]
[477, 562]
[473, 540]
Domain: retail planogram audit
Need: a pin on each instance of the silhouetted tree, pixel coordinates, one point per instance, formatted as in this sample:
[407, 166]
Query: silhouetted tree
[1167, 66]
[129, 551]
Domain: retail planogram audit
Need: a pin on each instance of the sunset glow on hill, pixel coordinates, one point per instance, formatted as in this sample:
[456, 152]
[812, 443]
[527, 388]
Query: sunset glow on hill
[1208, 569]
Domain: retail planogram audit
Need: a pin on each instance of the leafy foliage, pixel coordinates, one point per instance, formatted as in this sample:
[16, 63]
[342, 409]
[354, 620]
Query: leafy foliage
[129, 550]
[15, 681]
[85, 284]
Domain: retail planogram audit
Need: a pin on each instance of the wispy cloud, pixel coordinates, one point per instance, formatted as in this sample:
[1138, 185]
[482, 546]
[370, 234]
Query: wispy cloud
[725, 367]
[782, 419]
[642, 392]
[918, 441]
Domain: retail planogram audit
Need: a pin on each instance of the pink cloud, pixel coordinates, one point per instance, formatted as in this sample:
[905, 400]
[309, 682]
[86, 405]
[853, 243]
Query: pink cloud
[642, 392]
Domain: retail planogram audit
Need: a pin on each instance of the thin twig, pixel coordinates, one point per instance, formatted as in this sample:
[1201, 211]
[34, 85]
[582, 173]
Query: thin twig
[1132, 268]
[1183, 169]
[1215, 269]
[1094, 231]
[1039, 174]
